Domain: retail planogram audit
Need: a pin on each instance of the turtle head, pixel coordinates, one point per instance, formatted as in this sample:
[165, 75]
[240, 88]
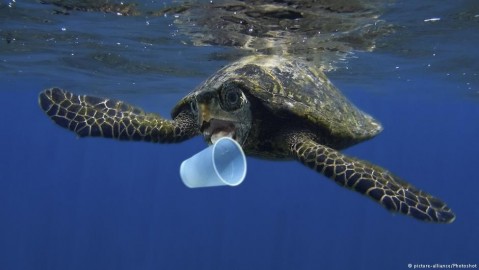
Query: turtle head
[221, 110]
[230, 102]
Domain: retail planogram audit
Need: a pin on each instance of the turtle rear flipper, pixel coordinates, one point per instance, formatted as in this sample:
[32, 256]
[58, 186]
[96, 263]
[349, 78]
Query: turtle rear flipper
[97, 117]
[377, 183]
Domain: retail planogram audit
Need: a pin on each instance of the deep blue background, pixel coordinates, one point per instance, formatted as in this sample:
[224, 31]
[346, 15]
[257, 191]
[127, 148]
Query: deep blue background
[68, 203]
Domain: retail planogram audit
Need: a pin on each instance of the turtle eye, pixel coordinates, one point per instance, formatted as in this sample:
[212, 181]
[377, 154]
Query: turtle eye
[231, 98]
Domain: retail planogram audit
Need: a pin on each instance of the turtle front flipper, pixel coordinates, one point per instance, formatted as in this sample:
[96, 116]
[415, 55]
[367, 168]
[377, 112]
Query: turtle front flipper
[97, 117]
[371, 180]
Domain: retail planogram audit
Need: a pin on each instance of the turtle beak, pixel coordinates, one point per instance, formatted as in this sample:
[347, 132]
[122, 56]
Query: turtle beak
[204, 116]
[213, 128]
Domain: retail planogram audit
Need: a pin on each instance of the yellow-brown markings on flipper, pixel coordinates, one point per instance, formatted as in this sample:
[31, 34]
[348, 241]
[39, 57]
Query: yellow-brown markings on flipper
[92, 116]
[371, 180]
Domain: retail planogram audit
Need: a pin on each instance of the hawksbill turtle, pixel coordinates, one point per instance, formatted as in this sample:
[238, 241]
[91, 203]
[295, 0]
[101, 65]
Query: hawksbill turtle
[276, 106]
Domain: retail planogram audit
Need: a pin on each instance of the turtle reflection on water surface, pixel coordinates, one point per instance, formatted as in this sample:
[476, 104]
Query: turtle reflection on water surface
[275, 105]
[276, 108]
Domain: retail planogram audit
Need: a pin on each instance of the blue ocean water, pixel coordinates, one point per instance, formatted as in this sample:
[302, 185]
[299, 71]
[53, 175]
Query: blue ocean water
[69, 203]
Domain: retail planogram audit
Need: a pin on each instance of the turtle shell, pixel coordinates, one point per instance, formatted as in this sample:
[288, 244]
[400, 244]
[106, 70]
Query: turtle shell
[293, 87]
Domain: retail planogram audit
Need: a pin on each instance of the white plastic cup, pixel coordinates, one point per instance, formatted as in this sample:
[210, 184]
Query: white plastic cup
[222, 163]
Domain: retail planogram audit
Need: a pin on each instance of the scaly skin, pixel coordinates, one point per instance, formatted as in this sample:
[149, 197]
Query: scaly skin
[91, 116]
[97, 117]
[371, 180]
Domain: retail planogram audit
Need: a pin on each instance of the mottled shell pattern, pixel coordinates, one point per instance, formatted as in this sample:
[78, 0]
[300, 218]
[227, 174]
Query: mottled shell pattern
[294, 87]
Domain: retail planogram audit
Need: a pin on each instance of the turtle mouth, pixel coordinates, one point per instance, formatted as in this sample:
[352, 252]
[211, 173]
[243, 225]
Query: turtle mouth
[215, 129]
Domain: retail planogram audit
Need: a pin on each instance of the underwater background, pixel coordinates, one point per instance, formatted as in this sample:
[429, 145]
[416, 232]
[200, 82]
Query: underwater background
[69, 203]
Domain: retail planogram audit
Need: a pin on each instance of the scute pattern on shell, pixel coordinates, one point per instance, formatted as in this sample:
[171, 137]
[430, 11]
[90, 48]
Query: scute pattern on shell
[292, 86]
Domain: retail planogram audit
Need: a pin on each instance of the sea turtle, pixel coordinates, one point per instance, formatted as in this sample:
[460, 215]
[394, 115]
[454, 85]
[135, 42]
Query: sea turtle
[276, 107]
